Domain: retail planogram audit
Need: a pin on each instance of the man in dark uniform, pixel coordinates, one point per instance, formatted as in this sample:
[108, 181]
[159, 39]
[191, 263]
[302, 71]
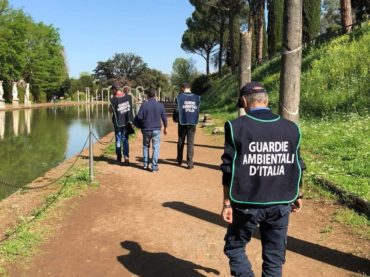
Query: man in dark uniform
[186, 113]
[122, 116]
[262, 174]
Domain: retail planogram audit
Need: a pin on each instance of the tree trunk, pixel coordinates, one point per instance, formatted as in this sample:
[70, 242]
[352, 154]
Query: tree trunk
[232, 41]
[261, 9]
[220, 52]
[207, 62]
[346, 15]
[271, 29]
[290, 76]
[245, 64]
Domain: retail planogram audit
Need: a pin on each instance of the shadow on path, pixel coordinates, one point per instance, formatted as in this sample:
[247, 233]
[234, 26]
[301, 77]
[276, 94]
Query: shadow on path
[174, 162]
[109, 160]
[198, 145]
[147, 264]
[311, 250]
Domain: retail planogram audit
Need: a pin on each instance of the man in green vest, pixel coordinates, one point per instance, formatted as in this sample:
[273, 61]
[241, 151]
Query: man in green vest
[262, 173]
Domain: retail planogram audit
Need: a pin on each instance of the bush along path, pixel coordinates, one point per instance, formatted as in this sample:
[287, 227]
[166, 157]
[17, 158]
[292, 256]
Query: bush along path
[138, 223]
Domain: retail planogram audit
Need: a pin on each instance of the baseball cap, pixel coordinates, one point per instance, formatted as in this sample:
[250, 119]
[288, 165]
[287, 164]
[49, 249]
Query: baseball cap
[185, 85]
[252, 87]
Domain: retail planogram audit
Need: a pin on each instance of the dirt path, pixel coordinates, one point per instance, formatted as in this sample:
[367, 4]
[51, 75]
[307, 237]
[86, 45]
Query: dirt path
[139, 223]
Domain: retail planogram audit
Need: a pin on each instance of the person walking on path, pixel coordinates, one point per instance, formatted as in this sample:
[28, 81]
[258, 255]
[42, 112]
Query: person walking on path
[148, 119]
[122, 116]
[262, 174]
[186, 113]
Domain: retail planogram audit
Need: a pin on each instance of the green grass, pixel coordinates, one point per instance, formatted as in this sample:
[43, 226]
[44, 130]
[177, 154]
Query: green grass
[355, 221]
[110, 149]
[30, 231]
[338, 150]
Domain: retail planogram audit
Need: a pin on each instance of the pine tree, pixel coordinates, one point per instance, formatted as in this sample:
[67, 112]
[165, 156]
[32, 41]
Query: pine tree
[311, 19]
[346, 15]
[275, 26]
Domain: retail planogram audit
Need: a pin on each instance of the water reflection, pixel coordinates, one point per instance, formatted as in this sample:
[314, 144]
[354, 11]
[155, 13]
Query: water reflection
[35, 140]
[27, 118]
[15, 122]
[2, 124]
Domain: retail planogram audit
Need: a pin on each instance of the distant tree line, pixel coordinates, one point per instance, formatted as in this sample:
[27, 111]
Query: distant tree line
[32, 52]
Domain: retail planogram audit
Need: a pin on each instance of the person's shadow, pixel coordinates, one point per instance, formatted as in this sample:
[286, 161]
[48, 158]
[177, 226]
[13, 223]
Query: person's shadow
[147, 264]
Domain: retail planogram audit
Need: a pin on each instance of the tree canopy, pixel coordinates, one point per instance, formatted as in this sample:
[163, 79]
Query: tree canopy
[183, 70]
[201, 35]
[31, 52]
[126, 67]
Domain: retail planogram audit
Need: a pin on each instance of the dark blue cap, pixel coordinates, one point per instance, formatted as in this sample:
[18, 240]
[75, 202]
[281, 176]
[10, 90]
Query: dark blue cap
[252, 87]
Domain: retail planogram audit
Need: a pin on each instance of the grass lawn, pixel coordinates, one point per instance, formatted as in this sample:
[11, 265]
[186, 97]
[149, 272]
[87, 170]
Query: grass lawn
[338, 150]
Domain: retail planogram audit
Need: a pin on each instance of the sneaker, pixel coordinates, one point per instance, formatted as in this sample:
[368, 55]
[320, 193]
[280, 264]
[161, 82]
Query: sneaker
[155, 170]
[190, 166]
[127, 162]
[145, 167]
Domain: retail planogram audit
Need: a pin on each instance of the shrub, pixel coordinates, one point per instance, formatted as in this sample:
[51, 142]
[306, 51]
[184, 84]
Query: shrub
[201, 84]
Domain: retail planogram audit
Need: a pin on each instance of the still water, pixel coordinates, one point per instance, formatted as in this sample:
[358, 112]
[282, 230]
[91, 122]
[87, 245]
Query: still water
[32, 141]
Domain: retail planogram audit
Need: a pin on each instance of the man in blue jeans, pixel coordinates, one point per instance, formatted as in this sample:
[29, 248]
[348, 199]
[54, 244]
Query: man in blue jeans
[122, 116]
[148, 119]
[262, 173]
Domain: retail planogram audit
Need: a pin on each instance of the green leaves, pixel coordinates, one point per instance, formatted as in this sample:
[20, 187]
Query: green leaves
[183, 70]
[30, 51]
[123, 66]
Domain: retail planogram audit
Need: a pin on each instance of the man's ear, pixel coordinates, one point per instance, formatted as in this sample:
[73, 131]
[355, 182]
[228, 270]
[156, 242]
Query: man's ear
[244, 102]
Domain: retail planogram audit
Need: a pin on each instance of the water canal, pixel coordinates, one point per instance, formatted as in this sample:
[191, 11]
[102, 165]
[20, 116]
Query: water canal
[32, 141]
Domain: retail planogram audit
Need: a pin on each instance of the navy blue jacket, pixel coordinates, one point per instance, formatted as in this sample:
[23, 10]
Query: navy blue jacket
[150, 115]
[187, 106]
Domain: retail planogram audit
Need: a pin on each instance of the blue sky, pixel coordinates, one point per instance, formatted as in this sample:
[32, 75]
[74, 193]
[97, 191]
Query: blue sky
[95, 30]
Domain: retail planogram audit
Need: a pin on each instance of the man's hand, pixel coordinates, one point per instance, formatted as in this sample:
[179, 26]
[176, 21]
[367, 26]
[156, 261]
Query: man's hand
[227, 214]
[165, 131]
[297, 206]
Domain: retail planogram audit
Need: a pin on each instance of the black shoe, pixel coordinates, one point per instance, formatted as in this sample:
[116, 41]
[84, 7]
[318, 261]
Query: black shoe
[190, 166]
[119, 160]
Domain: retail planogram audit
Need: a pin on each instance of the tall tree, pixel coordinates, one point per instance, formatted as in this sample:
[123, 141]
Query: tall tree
[122, 66]
[361, 9]
[183, 70]
[275, 26]
[45, 65]
[30, 51]
[311, 19]
[346, 15]
[214, 21]
[153, 78]
[290, 75]
[105, 70]
[260, 32]
[201, 36]
[330, 15]
[235, 8]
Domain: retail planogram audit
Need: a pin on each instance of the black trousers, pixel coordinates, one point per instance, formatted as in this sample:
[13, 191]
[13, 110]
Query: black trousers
[186, 131]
